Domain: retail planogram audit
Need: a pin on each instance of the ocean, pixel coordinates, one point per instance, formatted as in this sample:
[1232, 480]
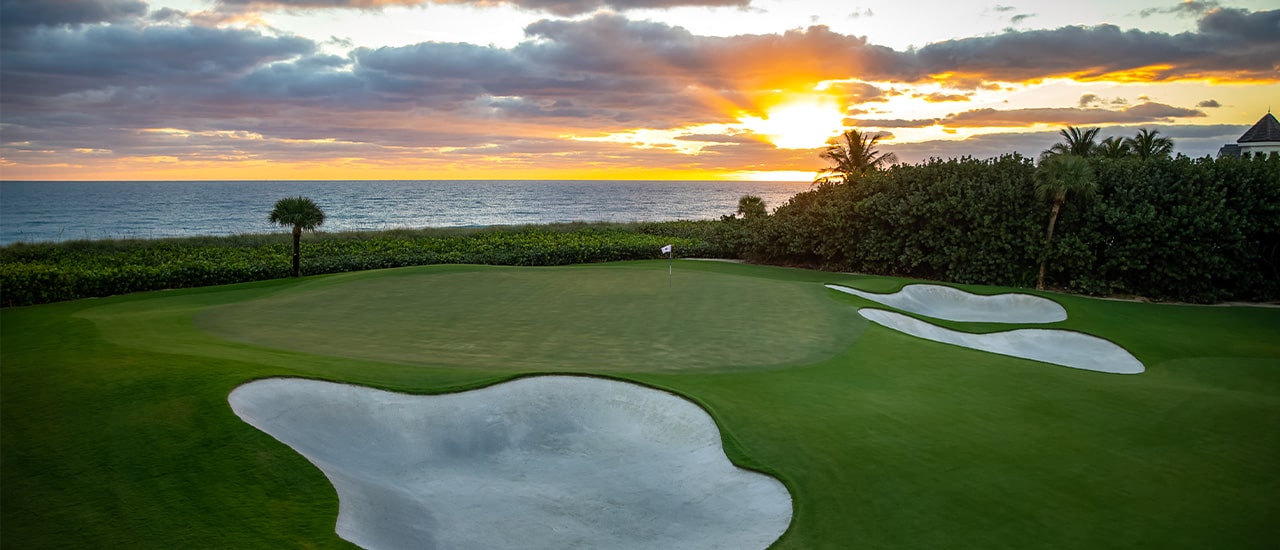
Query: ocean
[61, 211]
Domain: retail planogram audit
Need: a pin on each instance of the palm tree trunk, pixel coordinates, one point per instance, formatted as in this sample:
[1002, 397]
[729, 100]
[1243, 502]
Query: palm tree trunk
[297, 249]
[1048, 239]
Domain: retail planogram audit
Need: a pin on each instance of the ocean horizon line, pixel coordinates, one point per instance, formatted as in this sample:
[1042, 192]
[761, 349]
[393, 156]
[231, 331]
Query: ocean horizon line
[58, 210]
[340, 180]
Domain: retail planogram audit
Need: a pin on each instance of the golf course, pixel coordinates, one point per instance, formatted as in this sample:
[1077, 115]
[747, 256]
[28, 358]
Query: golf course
[142, 421]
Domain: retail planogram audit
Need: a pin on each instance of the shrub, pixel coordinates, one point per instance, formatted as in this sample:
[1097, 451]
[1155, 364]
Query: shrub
[41, 273]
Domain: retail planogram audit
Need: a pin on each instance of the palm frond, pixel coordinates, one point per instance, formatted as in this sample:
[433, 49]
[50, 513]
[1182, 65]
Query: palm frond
[298, 212]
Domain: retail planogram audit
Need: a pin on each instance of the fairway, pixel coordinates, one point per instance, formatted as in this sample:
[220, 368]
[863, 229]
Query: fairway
[602, 318]
[117, 429]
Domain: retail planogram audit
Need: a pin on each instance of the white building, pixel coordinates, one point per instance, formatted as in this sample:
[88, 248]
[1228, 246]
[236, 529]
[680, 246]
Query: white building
[1262, 139]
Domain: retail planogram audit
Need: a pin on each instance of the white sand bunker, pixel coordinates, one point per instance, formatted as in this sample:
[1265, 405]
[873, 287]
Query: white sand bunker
[953, 304]
[1059, 347]
[545, 462]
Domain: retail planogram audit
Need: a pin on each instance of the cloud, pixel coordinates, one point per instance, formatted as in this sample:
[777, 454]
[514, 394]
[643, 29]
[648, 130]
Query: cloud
[1019, 18]
[66, 84]
[1186, 8]
[1067, 116]
[1233, 44]
[860, 92]
[890, 123]
[1159, 111]
[1209, 104]
[31, 13]
[1063, 116]
[939, 97]
[565, 8]
[1094, 99]
[120, 57]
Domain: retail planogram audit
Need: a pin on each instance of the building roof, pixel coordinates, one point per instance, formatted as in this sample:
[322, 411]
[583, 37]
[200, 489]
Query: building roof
[1267, 129]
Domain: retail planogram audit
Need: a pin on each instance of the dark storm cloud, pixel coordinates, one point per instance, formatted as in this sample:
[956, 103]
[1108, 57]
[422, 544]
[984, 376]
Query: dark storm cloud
[30, 13]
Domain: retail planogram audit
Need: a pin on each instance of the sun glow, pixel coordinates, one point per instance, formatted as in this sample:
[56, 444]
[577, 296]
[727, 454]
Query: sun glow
[800, 124]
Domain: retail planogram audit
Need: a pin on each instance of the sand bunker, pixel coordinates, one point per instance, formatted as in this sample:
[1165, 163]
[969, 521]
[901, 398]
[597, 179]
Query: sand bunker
[544, 462]
[952, 304]
[1059, 347]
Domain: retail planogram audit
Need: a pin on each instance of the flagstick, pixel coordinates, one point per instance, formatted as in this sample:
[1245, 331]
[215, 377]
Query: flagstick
[669, 254]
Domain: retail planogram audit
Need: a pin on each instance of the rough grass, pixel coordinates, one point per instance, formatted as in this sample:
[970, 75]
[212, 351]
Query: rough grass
[116, 430]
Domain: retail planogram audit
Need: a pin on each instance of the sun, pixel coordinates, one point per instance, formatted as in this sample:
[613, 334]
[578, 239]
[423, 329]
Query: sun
[798, 124]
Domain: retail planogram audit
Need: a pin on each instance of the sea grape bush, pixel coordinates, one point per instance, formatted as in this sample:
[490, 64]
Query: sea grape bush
[1182, 229]
[42, 273]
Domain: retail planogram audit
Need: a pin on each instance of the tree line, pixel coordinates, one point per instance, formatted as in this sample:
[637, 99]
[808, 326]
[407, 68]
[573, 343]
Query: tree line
[1084, 219]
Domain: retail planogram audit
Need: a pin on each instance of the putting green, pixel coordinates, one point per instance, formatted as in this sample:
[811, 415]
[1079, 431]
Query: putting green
[588, 317]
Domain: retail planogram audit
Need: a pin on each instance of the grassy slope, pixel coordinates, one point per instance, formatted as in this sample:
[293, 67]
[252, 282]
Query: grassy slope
[116, 430]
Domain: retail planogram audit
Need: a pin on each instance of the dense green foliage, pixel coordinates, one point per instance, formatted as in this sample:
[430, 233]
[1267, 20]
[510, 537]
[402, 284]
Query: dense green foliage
[1196, 230]
[962, 220]
[47, 272]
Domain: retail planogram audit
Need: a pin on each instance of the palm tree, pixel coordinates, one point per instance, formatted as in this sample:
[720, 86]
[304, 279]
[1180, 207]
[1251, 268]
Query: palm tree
[1074, 142]
[1113, 148]
[853, 154]
[1146, 145]
[1060, 176]
[751, 206]
[301, 213]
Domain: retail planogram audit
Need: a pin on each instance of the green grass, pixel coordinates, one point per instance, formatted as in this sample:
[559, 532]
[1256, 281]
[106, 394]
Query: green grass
[615, 318]
[116, 432]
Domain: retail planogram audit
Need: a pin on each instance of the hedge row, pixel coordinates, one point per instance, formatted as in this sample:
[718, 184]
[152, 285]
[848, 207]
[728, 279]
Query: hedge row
[1193, 230]
[42, 273]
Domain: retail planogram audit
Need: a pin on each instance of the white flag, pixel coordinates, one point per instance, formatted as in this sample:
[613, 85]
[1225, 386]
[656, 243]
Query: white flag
[666, 249]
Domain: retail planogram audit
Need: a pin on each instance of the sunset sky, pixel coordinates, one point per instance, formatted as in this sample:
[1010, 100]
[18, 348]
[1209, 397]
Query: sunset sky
[604, 89]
